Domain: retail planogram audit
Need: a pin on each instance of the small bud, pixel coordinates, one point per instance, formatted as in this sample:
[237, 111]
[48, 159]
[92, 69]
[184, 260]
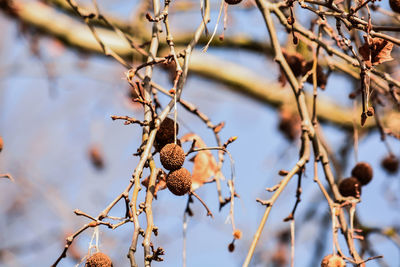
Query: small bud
[237, 234]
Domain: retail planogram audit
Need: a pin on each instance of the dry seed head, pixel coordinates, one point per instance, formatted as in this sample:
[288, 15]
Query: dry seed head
[233, 2]
[390, 163]
[165, 133]
[172, 157]
[179, 181]
[333, 261]
[395, 5]
[363, 172]
[350, 187]
[98, 260]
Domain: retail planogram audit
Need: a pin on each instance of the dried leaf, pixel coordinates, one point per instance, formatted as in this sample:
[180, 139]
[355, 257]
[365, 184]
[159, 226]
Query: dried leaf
[161, 182]
[205, 165]
[300, 67]
[295, 61]
[96, 157]
[380, 50]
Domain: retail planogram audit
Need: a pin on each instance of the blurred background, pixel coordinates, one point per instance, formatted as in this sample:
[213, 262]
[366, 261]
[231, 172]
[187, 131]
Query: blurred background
[64, 152]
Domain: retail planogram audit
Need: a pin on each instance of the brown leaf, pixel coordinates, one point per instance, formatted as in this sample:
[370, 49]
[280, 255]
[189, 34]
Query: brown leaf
[379, 49]
[161, 183]
[96, 157]
[300, 67]
[295, 61]
[205, 165]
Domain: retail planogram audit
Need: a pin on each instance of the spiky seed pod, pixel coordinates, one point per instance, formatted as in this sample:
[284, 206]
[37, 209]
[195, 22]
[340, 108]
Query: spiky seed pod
[98, 260]
[390, 163]
[350, 187]
[233, 2]
[333, 261]
[363, 172]
[172, 156]
[179, 181]
[165, 133]
[395, 5]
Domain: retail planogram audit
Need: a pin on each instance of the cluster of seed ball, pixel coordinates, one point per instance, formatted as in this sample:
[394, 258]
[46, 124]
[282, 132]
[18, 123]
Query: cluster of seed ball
[99, 260]
[172, 157]
[361, 175]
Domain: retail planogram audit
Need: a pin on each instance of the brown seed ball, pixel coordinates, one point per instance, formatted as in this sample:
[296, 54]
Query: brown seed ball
[233, 2]
[98, 260]
[231, 247]
[350, 187]
[159, 145]
[363, 172]
[172, 157]
[333, 261]
[390, 163]
[179, 181]
[395, 5]
[165, 134]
